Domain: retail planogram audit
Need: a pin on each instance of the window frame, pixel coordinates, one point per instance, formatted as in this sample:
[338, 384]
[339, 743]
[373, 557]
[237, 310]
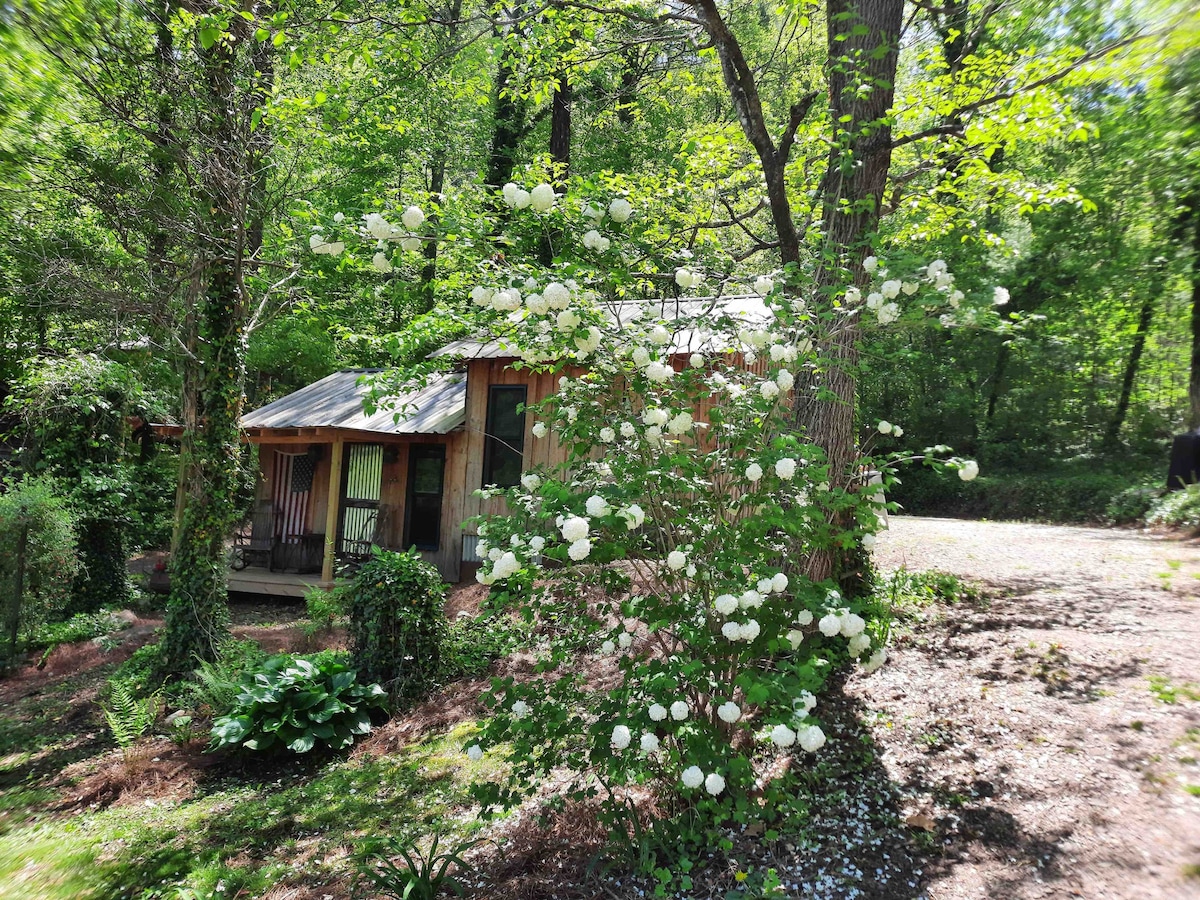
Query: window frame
[492, 443]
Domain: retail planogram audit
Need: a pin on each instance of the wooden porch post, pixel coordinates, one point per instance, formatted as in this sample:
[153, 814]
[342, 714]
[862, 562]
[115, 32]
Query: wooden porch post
[332, 512]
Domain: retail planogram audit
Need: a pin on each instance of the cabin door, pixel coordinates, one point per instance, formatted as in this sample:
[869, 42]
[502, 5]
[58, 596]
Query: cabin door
[426, 477]
[362, 480]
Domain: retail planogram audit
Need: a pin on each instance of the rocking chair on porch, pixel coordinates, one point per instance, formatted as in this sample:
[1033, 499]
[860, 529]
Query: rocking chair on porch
[253, 547]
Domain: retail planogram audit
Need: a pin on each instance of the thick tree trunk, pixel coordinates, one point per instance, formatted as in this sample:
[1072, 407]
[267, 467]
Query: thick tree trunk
[560, 131]
[509, 126]
[1194, 379]
[197, 610]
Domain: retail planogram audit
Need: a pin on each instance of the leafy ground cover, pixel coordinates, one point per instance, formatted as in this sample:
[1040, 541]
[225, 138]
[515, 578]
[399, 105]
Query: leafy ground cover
[1034, 737]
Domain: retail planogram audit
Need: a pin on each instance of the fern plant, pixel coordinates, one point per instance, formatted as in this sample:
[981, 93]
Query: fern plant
[129, 717]
[423, 876]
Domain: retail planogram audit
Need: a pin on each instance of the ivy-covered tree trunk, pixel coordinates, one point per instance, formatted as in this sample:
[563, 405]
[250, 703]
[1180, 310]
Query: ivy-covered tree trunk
[197, 611]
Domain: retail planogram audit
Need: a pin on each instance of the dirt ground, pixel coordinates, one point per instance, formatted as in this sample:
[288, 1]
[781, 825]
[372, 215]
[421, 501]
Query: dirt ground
[1051, 730]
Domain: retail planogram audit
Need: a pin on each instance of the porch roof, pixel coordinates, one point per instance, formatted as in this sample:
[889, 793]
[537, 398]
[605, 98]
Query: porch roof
[336, 401]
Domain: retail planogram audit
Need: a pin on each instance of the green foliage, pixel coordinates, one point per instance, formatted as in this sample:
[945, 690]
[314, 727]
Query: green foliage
[1067, 497]
[396, 606]
[1132, 504]
[425, 873]
[903, 589]
[1178, 509]
[471, 644]
[215, 685]
[37, 558]
[143, 671]
[128, 716]
[296, 703]
[80, 627]
[325, 606]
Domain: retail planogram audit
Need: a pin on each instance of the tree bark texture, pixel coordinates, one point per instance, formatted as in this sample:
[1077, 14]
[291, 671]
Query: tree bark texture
[1112, 434]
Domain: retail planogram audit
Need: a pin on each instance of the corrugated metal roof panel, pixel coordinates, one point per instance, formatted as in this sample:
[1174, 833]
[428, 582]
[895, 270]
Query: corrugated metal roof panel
[336, 402]
[750, 309]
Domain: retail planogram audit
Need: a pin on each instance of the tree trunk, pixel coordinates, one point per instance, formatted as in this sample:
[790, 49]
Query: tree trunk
[1112, 435]
[509, 123]
[13, 625]
[560, 131]
[1194, 379]
[197, 610]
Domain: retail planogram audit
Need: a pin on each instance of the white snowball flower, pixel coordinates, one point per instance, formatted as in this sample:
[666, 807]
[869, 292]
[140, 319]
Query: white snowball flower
[751, 599]
[754, 472]
[909, 288]
[659, 372]
[381, 262]
[621, 737]
[680, 424]
[620, 210]
[811, 738]
[542, 198]
[413, 218]
[494, 554]
[890, 289]
[888, 313]
[537, 543]
[339, 217]
[655, 415]
[764, 585]
[878, 658]
[763, 285]
[769, 390]
[683, 277]
[520, 709]
[830, 625]
[679, 710]
[852, 625]
[874, 301]
[658, 712]
[969, 470]
[608, 648]
[531, 482]
[575, 528]
[649, 743]
[625, 640]
[676, 560]
[729, 712]
[510, 193]
[853, 295]
[1000, 296]
[410, 244]
[726, 604]
[804, 617]
[696, 361]
[782, 736]
[506, 566]
[597, 506]
[607, 435]
[475, 753]
[628, 429]
[884, 426]
[868, 541]
[557, 295]
[659, 335]
[539, 429]
[859, 644]
[521, 198]
[785, 379]
[935, 268]
[750, 631]
[633, 515]
[567, 320]
[795, 638]
[692, 777]
[580, 549]
[640, 357]
[870, 264]
[481, 296]
[377, 226]
[779, 583]
[714, 784]
[594, 240]
[786, 468]
[732, 631]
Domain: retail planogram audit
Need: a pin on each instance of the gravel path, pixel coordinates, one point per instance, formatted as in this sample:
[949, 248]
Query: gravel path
[1049, 732]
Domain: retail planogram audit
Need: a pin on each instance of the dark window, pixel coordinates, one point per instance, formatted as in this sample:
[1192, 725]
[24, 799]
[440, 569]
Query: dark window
[505, 436]
[426, 470]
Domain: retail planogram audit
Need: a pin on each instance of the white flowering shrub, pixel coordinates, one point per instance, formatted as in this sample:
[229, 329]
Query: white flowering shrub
[671, 540]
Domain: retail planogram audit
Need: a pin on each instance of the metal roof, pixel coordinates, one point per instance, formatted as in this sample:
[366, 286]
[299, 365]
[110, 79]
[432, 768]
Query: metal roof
[749, 309]
[336, 401]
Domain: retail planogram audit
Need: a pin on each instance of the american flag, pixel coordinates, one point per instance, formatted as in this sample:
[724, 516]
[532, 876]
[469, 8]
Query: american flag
[290, 487]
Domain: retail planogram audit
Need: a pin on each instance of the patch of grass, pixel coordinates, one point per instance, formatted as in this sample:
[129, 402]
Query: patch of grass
[81, 627]
[1166, 692]
[248, 834]
[1193, 789]
[907, 593]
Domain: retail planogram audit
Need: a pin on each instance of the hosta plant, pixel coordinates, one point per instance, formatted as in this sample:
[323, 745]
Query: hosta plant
[296, 703]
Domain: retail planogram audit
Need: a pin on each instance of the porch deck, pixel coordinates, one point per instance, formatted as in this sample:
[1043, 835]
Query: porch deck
[276, 584]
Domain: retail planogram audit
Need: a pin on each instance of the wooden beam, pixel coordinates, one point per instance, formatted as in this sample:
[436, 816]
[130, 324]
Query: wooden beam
[333, 509]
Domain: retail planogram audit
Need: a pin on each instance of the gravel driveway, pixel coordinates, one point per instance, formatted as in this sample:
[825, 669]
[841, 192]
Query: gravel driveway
[1049, 732]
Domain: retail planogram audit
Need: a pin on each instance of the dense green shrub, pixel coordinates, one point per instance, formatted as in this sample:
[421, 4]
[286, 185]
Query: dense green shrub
[1067, 497]
[397, 621]
[472, 643]
[325, 606]
[80, 627]
[296, 703]
[37, 559]
[1178, 509]
[1132, 504]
